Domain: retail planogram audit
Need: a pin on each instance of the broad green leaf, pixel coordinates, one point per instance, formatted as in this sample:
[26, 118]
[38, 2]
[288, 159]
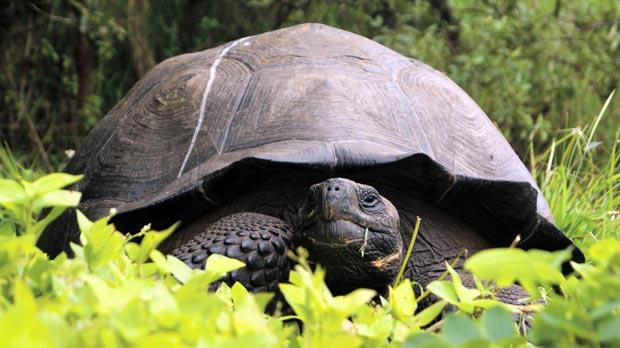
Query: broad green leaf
[295, 297]
[403, 299]
[488, 303]
[198, 283]
[38, 269]
[178, 268]
[219, 265]
[498, 324]
[425, 340]
[507, 266]
[608, 329]
[59, 198]
[83, 222]
[350, 302]
[11, 192]
[158, 258]
[103, 244]
[160, 339]
[53, 182]
[444, 289]
[23, 296]
[464, 294]
[460, 329]
[428, 314]
[562, 316]
[151, 239]
[582, 268]
[606, 309]
[7, 229]
[224, 292]
[238, 293]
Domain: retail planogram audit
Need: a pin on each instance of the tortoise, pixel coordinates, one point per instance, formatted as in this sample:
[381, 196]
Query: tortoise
[310, 136]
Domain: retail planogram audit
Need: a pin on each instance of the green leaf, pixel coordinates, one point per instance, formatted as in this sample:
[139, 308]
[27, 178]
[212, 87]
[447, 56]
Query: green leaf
[7, 230]
[151, 239]
[428, 314]
[83, 222]
[444, 289]
[509, 265]
[606, 309]
[158, 258]
[460, 329]
[178, 268]
[59, 198]
[53, 182]
[23, 296]
[218, 265]
[608, 329]
[349, 303]
[425, 340]
[464, 294]
[295, 297]
[498, 324]
[102, 243]
[403, 300]
[238, 293]
[11, 192]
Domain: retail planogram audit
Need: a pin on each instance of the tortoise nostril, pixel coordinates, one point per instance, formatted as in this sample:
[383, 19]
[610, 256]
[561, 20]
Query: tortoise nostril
[333, 187]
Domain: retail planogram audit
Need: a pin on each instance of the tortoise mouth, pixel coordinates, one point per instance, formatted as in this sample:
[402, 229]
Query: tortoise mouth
[337, 232]
[352, 257]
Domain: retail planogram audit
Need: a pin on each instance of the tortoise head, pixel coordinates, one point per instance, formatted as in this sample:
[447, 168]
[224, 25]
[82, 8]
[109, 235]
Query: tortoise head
[352, 231]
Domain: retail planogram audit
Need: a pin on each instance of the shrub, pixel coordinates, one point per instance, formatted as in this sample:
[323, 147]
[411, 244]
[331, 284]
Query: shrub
[117, 292]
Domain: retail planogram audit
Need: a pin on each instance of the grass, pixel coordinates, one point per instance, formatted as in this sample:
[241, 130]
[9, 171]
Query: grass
[12, 167]
[580, 178]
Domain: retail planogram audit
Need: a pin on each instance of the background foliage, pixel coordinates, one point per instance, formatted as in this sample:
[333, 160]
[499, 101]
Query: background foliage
[543, 70]
[534, 66]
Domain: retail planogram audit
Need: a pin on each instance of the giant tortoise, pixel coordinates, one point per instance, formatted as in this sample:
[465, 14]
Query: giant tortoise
[310, 136]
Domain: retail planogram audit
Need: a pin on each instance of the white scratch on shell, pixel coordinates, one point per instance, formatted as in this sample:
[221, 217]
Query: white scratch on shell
[203, 104]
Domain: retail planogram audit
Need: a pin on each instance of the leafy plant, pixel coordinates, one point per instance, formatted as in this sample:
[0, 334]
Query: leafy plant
[589, 312]
[115, 292]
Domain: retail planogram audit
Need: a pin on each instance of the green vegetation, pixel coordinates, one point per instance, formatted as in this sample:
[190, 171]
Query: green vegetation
[534, 66]
[116, 292]
[579, 175]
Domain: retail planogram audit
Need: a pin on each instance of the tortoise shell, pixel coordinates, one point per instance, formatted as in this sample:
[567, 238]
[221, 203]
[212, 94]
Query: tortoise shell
[201, 127]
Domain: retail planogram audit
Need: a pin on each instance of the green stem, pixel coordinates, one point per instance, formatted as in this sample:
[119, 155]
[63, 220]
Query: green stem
[409, 250]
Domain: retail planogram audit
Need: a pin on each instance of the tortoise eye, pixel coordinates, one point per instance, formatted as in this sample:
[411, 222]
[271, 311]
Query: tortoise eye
[370, 200]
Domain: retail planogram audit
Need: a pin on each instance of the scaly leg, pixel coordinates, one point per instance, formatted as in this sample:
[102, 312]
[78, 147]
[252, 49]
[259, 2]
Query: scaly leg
[260, 241]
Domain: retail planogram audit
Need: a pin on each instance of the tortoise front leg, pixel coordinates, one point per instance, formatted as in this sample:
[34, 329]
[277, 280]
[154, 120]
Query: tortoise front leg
[260, 241]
